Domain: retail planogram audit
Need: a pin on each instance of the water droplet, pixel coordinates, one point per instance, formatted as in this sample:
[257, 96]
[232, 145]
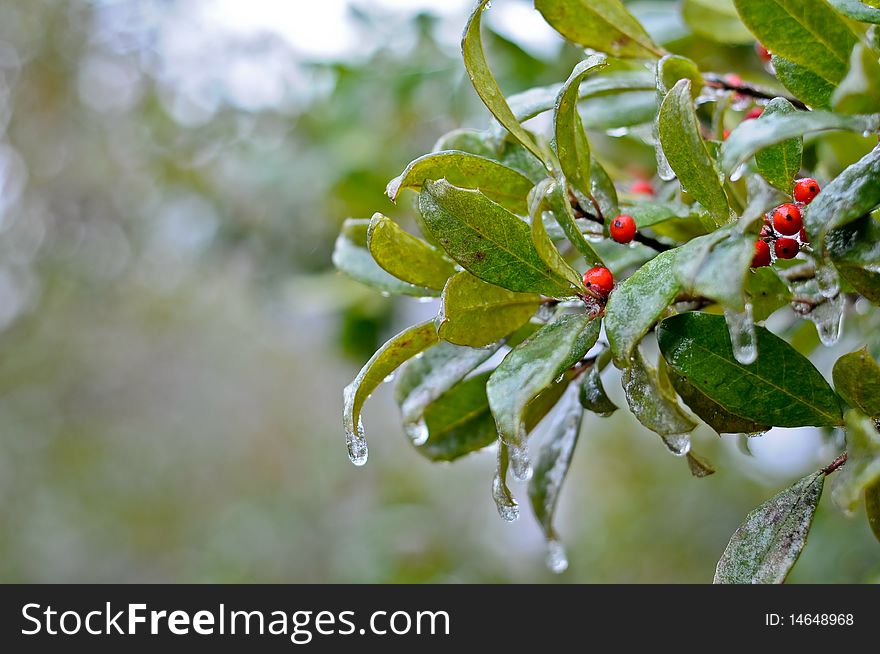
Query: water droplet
[357, 445]
[425, 300]
[556, 559]
[417, 432]
[384, 293]
[741, 327]
[520, 463]
[737, 174]
[389, 378]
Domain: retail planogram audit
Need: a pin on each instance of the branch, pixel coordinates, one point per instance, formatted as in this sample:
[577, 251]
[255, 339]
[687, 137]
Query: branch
[580, 212]
[834, 465]
[718, 82]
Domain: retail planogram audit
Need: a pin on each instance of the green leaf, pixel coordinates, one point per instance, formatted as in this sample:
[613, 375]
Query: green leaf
[637, 303]
[857, 380]
[803, 83]
[484, 82]
[422, 380]
[564, 216]
[487, 240]
[781, 388]
[859, 92]
[475, 313]
[619, 110]
[552, 467]
[572, 146]
[351, 256]
[857, 10]
[506, 186]
[712, 413]
[655, 406]
[532, 367]
[604, 192]
[855, 251]
[593, 396]
[673, 68]
[650, 213]
[862, 468]
[472, 141]
[458, 422]
[603, 25]
[780, 163]
[405, 256]
[545, 247]
[716, 20]
[715, 266]
[766, 546]
[808, 32]
[767, 292]
[852, 194]
[872, 507]
[385, 361]
[752, 136]
[687, 154]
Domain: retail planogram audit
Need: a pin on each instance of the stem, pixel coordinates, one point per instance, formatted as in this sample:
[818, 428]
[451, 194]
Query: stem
[580, 212]
[718, 82]
[834, 465]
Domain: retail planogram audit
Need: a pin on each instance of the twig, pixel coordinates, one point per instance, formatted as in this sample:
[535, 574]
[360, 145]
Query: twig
[718, 82]
[834, 465]
[580, 212]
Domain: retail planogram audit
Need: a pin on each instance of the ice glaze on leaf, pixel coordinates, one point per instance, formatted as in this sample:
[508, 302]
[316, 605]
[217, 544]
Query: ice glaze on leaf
[593, 396]
[715, 266]
[808, 32]
[572, 146]
[806, 85]
[857, 10]
[504, 185]
[857, 380]
[604, 25]
[637, 303]
[351, 256]
[767, 292]
[862, 468]
[780, 163]
[406, 257]
[766, 546]
[781, 388]
[551, 257]
[687, 154]
[475, 313]
[532, 367]
[487, 240]
[855, 251]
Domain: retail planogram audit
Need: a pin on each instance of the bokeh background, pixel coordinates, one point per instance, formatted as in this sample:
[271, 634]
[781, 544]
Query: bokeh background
[174, 340]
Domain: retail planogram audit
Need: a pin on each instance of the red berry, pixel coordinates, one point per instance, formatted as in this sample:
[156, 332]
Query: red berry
[642, 187]
[787, 219]
[726, 134]
[762, 254]
[804, 237]
[805, 190]
[786, 248]
[623, 228]
[754, 112]
[763, 53]
[599, 280]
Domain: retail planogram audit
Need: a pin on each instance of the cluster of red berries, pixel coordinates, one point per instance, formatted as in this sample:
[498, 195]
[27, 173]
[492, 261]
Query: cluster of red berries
[784, 227]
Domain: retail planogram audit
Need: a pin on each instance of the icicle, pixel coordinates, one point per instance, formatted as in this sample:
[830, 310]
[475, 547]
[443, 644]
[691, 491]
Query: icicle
[520, 463]
[354, 436]
[742, 335]
[556, 559]
[664, 170]
[678, 444]
[828, 318]
[827, 279]
[416, 431]
[507, 507]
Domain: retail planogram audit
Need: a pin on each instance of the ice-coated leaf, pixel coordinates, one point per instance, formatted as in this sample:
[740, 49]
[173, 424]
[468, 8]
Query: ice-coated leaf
[698, 466]
[687, 154]
[604, 191]
[872, 507]
[531, 367]
[472, 141]
[420, 381]
[716, 20]
[857, 10]
[859, 92]
[781, 388]
[862, 468]
[593, 396]
[504, 185]
[476, 314]
[751, 136]
[551, 257]
[507, 506]
[857, 380]
[351, 256]
[673, 68]
[385, 361]
[766, 546]
[767, 292]
[851, 195]
[806, 85]
[554, 459]
[808, 32]
[712, 413]
[487, 240]
[654, 406]
[406, 257]
[780, 163]
[855, 251]
[715, 266]
[620, 110]
[604, 25]
[637, 303]
[562, 212]
[485, 84]
[572, 146]
[651, 213]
